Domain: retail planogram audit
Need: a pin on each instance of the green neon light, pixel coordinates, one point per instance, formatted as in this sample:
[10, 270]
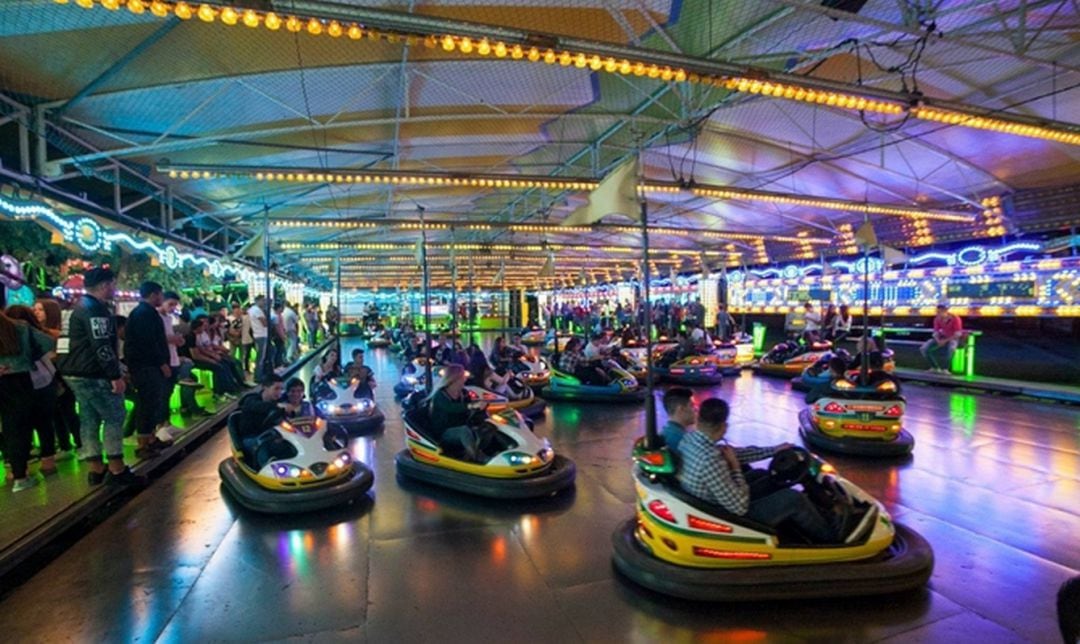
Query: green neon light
[759, 338]
[963, 360]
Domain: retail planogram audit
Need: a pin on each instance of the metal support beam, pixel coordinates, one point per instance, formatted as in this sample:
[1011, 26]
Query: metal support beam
[114, 69]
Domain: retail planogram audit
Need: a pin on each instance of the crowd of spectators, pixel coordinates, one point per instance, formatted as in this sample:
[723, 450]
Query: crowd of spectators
[56, 355]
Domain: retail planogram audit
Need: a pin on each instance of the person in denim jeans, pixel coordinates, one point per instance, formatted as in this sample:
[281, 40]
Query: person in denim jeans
[91, 366]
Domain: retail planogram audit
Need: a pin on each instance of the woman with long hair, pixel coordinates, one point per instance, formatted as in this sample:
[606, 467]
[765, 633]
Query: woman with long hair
[43, 402]
[65, 420]
[20, 348]
[329, 367]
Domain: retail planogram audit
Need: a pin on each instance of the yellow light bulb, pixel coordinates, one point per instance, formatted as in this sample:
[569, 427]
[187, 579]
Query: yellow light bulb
[610, 65]
[111, 5]
[334, 29]
[60, 1]
[229, 16]
[550, 57]
[500, 49]
[534, 54]
[484, 48]
[136, 6]
[466, 45]
[565, 59]
[206, 13]
[85, 4]
[580, 61]
[251, 19]
[314, 27]
[666, 74]
[294, 24]
[448, 43]
[639, 69]
[516, 52]
[356, 33]
[624, 66]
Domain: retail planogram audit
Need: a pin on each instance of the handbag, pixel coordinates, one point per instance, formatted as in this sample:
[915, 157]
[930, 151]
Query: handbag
[43, 371]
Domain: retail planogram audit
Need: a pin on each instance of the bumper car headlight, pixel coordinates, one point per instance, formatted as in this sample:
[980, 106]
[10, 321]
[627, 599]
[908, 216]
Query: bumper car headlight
[290, 471]
[519, 459]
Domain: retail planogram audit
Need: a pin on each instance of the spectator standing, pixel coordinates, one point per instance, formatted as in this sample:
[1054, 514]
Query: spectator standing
[260, 335]
[18, 345]
[147, 352]
[311, 319]
[277, 334]
[725, 324]
[947, 331]
[42, 402]
[180, 366]
[65, 420]
[291, 322]
[91, 367]
[234, 325]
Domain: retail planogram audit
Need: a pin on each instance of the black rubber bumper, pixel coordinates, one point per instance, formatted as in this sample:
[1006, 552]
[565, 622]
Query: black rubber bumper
[360, 426]
[777, 371]
[533, 409]
[258, 499]
[716, 378]
[575, 396]
[559, 476]
[814, 437]
[904, 565]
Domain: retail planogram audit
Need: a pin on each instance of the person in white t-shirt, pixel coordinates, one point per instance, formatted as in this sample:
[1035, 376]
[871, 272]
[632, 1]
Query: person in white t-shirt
[813, 323]
[260, 334]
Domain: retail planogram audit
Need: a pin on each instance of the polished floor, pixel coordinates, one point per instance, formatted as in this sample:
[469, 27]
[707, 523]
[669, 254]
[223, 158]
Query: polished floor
[994, 485]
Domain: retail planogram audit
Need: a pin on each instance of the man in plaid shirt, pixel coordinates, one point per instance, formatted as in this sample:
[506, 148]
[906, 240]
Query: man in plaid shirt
[714, 474]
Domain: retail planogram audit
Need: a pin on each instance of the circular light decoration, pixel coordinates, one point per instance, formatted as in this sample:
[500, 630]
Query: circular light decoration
[170, 257]
[971, 256]
[736, 277]
[791, 271]
[88, 236]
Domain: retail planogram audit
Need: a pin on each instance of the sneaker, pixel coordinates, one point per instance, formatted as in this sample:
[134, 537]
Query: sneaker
[865, 524]
[25, 484]
[96, 478]
[159, 444]
[168, 433]
[127, 477]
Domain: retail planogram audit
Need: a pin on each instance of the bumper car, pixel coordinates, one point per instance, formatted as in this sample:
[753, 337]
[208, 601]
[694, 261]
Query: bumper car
[681, 546]
[521, 397]
[343, 403]
[549, 346]
[732, 355]
[818, 373]
[790, 359]
[534, 337]
[412, 377]
[532, 370]
[517, 464]
[691, 370]
[859, 420]
[378, 340]
[631, 363]
[623, 387]
[297, 466]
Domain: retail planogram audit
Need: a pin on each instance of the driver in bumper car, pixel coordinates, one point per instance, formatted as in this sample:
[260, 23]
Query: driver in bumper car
[451, 414]
[573, 363]
[716, 474]
[259, 412]
[294, 404]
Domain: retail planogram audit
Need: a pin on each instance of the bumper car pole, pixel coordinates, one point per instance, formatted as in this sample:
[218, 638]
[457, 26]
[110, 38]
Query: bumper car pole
[427, 302]
[651, 440]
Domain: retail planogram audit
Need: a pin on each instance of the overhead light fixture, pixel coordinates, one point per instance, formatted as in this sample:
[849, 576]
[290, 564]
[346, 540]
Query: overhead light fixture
[615, 59]
[191, 172]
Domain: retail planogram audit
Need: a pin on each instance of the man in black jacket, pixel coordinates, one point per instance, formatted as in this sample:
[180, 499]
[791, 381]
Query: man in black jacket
[147, 354]
[90, 365]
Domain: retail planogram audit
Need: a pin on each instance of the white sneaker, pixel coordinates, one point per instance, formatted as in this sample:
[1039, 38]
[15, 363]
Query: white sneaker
[25, 484]
[168, 433]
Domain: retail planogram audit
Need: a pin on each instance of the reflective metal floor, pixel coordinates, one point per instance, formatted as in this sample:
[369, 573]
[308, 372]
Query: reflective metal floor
[994, 485]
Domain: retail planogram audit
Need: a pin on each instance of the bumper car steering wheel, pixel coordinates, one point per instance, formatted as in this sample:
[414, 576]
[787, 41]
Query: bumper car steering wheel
[790, 466]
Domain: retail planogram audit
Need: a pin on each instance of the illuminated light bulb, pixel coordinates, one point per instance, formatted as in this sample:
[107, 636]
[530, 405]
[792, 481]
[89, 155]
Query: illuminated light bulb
[742, 85]
[172, 173]
[610, 65]
[85, 4]
[111, 5]
[666, 74]
[565, 59]
[206, 13]
[624, 67]
[680, 75]
[639, 69]
[549, 57]
[448, 43]
[229, 16]
[356, 33]
[466, 46]
[580, 61]
[136, 6]
[484, 47]
[251, 19]
[392, 37]
[60, 1]
[272, 21]
[334, 29]
[314, 27]
[294, 24]
[500, 49]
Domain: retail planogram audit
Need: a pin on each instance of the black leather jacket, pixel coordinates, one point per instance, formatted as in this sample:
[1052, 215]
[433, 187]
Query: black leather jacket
[91, 342]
